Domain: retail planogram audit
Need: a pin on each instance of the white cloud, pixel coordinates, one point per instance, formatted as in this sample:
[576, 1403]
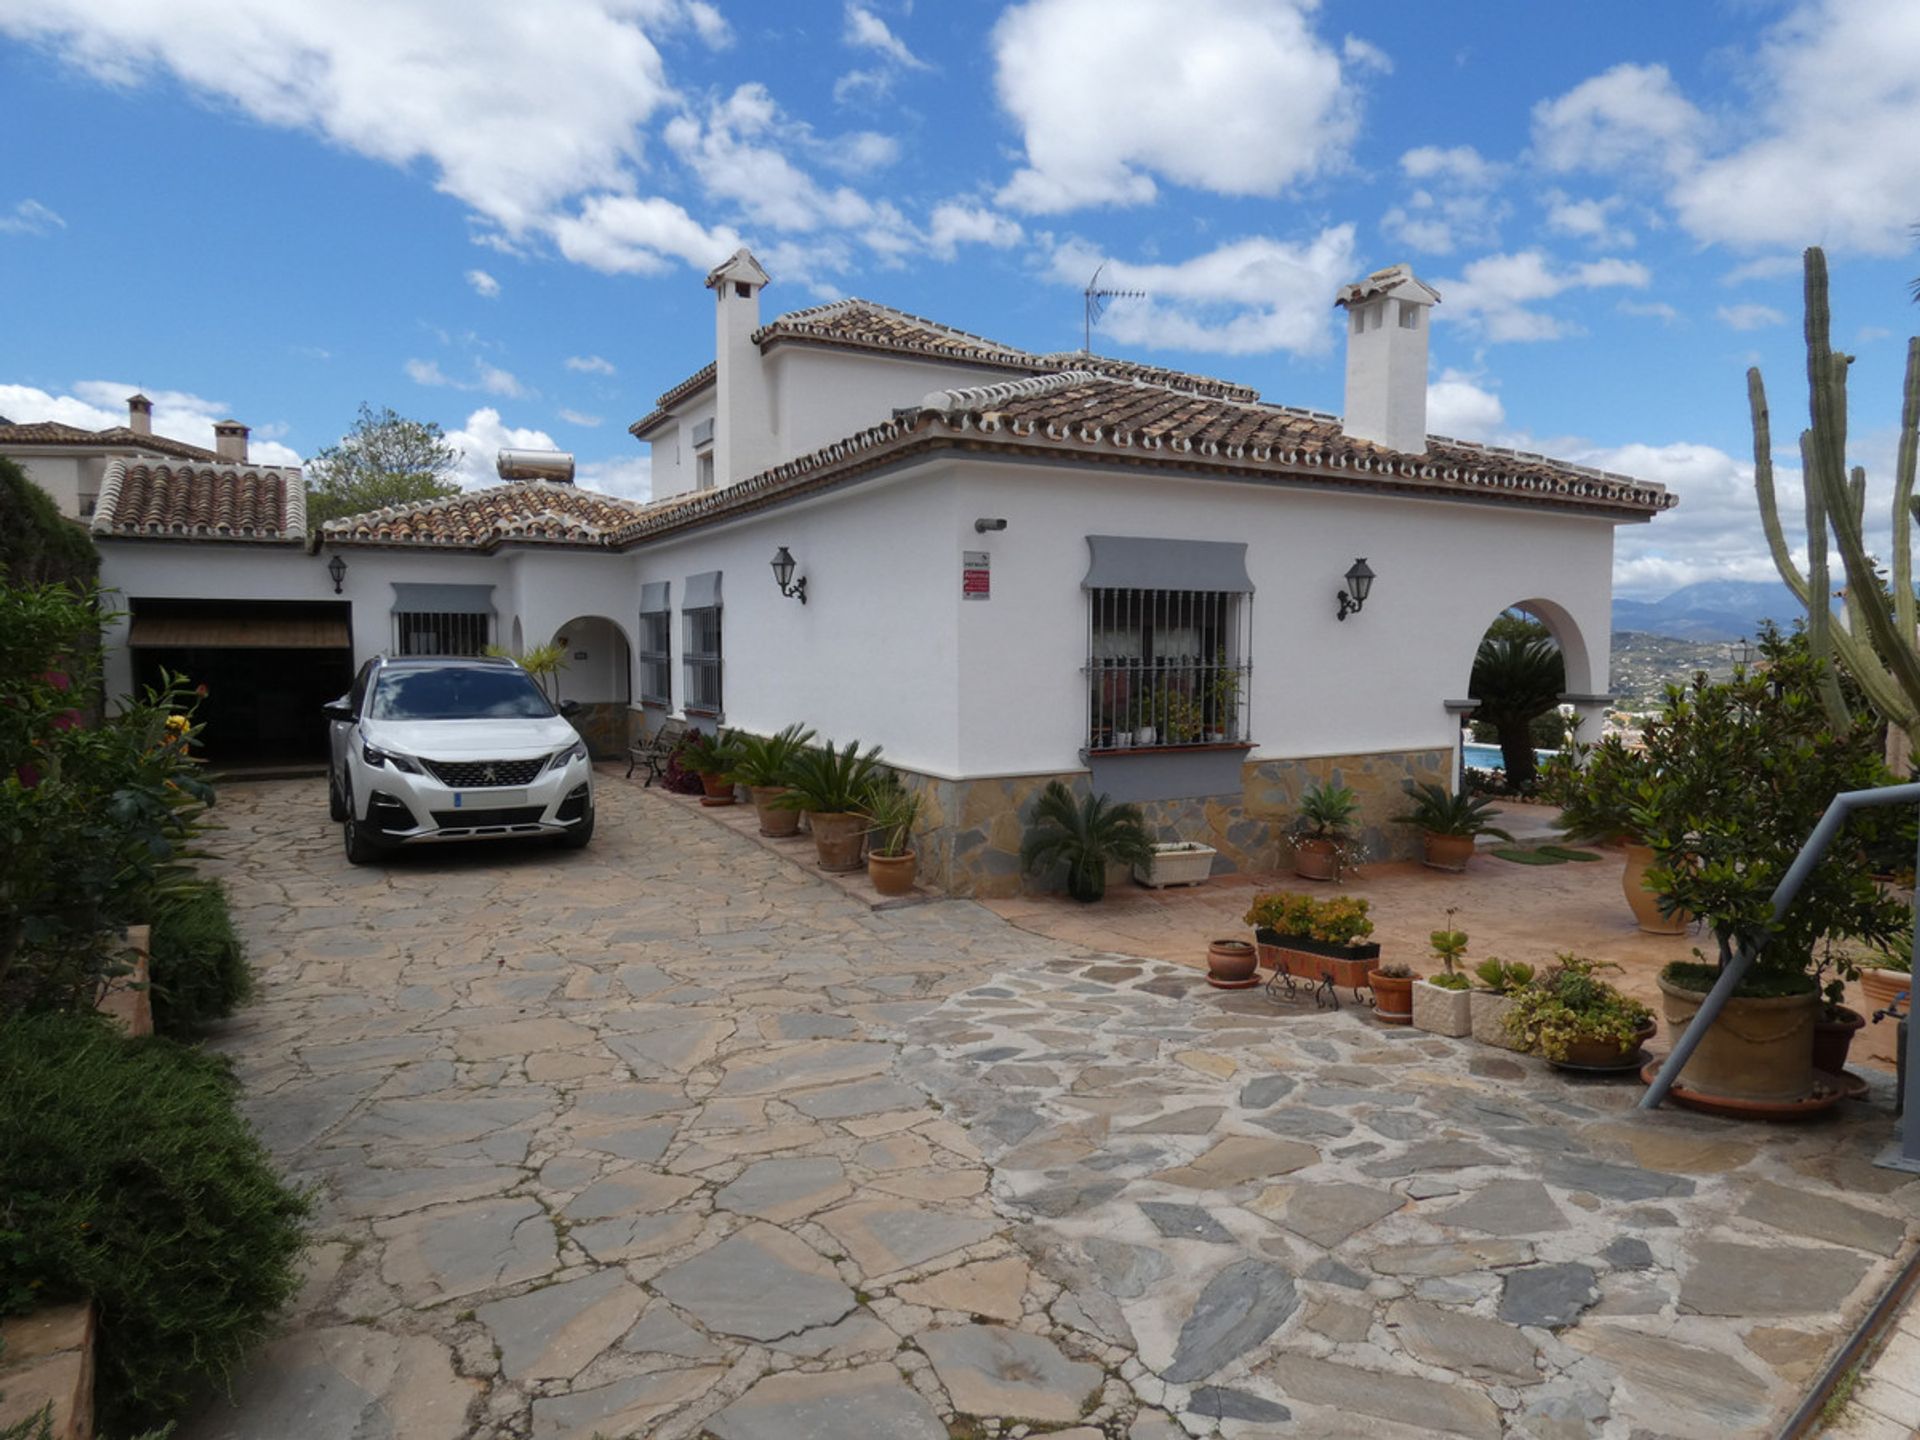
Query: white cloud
[1246, 297]
[428, 372]
[484, 285]
[590, 365]
[1495, 292]
[1819, 150]
[1459, 407]
[625, 234]
[30, 217]
[1650, 309]
[480, 440]
[1749, 317]
[574, 417]
[867, 31]
[709, 24]
[1453, 202]
[1365, 55]
[1767, 267]
[629, 476]
[1587, 219]
[1240, 97]
[177, 414]
[488, 378]
[959, 222]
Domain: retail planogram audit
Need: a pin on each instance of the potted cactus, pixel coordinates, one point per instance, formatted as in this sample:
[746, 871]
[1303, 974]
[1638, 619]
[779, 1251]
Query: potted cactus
[1393, 993]
[1443, 1005]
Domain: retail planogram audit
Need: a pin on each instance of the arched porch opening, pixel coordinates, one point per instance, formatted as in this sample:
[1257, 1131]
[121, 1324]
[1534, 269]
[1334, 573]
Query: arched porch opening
[1530, 673]
[596, 673]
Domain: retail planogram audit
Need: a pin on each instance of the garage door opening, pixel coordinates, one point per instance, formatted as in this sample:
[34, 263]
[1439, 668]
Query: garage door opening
[268, 665]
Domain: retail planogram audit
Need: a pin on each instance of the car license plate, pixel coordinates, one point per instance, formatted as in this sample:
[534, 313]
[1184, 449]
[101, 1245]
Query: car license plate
[488, 799]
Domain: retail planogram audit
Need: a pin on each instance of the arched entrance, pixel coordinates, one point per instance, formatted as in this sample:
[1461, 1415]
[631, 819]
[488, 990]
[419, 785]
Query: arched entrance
[596, 673]
[1530, 672]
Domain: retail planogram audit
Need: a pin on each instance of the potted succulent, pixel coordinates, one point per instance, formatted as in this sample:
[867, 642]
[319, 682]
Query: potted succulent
[1179, 862]
[1573, 1018]
[712, 758]
[1393, 993]
[764, 765]
[891, 811]
[1315, 939]
[833, 787]
[1322, 847]
[1443, 1004]
[1086, 836]
[1500, 982]
[1450, 824]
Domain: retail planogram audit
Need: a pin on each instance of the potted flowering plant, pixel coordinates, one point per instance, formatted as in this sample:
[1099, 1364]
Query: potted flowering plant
[1442, 1005]
[1315, 939]
[1322, 845]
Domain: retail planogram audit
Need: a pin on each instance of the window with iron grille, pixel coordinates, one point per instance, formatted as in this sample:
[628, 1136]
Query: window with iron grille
[656, 657]
[418, 632]
[703, 661]
[1167, 668]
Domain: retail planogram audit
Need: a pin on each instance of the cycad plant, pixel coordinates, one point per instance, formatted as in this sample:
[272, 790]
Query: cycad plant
[1441, 812]
[710, 754]
[1086, 835]
[1516, 681]
[826, 781]
[767, 760]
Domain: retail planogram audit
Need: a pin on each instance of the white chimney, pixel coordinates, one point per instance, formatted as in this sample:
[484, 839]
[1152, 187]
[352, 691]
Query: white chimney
[1387, 319]
[140, 414]
[741, 442]
[230, 441]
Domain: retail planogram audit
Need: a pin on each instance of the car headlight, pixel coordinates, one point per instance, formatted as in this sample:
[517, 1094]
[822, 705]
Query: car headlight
[377, 757]
[573, 752]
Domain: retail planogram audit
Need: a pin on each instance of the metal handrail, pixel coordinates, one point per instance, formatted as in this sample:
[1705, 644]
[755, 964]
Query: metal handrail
[1841, 807]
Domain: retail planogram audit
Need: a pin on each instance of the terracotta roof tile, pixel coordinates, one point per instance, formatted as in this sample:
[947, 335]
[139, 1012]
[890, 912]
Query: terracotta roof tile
[528, 510]
[219, 502]
[117, 437]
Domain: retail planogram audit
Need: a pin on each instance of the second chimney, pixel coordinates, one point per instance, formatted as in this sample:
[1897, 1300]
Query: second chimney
[1387, 318]
[230, 440]
[140, 414]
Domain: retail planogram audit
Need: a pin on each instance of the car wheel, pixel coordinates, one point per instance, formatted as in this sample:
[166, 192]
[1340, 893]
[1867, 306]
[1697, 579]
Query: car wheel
[579, 835]
[360, 849]
[336, 806]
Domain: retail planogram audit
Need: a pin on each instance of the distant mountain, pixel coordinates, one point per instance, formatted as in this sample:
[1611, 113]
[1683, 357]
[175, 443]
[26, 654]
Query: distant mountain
[1710, 610]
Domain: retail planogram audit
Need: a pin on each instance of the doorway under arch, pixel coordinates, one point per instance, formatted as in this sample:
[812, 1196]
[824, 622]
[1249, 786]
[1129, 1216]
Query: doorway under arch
[596, 673]
[1528, 666]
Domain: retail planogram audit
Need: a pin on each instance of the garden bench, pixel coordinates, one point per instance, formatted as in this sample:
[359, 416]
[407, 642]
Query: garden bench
[653, 751]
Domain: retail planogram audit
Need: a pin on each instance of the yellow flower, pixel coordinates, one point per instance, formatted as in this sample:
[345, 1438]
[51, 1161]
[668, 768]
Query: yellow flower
[177, 724]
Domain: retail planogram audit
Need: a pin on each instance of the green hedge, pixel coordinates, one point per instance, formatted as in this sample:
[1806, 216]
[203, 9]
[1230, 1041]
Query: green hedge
[131, 1178]
[38, 544]
[199, 967]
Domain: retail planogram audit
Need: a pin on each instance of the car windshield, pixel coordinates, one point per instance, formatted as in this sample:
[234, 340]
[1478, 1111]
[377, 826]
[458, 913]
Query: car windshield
[463, 693]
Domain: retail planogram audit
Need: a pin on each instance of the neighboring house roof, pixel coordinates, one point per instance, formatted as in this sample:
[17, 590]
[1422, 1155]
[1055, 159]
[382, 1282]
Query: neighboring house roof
[865, 325]
[1080, 415]
[526, 510]
[117, 437]
[155, 500]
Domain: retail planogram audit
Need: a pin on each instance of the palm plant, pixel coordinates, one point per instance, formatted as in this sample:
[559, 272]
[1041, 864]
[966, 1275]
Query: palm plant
[891, 810]
[1086, 836]
[767, 760]
[1439, 812]
[1326, 810]
[826, 781]
[710, 754]
[1516, 680]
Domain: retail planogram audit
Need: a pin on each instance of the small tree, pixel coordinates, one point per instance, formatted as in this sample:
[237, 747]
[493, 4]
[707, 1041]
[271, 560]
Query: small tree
[1517, 679]
[385, 459]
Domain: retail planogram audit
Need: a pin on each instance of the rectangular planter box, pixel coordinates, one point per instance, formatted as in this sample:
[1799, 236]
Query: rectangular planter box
[1310, 959]
[1176, 865]
[1440, 1011]
[1489, 1019]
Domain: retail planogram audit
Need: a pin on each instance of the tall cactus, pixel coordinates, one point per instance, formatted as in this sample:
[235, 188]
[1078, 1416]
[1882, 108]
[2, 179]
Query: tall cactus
[1876, 647]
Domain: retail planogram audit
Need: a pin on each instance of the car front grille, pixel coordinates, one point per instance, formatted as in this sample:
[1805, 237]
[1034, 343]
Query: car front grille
[487, 819]
[483, 774]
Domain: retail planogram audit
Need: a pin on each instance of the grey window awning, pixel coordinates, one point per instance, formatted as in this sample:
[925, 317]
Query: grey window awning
[654, 597]
[1139, 562]
[416, 599]
[703, 591]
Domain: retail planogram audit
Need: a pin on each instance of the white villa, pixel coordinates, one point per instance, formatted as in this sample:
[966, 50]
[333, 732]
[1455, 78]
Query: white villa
[1006, 568]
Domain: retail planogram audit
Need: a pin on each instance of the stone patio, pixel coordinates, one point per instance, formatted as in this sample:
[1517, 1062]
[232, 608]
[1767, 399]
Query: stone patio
[667, 1138]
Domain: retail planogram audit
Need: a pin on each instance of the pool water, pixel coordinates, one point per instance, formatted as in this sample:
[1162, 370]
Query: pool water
[1488, 757]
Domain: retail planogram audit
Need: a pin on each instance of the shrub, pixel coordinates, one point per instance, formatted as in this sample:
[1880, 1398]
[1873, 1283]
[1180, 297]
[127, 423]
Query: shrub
[199, 967]
[131, 1179]
[1341, 920]
[39, 545]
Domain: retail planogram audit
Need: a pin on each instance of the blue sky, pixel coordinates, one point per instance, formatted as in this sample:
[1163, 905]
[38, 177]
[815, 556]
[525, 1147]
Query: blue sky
[497, 215]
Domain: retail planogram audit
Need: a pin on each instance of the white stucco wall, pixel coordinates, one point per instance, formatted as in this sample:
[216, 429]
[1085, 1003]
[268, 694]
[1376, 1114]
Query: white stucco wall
[61, 476]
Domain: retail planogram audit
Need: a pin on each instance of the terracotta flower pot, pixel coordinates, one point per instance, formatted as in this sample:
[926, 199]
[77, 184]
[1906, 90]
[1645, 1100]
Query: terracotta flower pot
[777, 823]
[718, 788]
[1490, 1020]
[1231, 962]
[1315, 859]
[1758, 1049]
[892, 874]
[1392, 998]
[1832, 1039]
[1597, 1054]
[1440, 1011]
[838, 839]
[1883, 987]
[1645, 905]
[1448, 852]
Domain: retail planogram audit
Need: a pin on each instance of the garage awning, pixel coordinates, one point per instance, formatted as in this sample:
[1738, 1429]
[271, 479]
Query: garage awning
[237, 632]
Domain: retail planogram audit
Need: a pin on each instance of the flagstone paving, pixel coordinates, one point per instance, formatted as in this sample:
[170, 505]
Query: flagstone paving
[669, 1139]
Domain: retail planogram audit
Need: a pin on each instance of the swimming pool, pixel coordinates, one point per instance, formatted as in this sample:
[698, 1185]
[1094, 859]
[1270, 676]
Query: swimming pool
[1488, 757]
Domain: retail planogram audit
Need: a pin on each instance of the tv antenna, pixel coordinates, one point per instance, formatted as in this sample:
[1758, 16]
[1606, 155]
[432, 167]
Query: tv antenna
[1097, 299]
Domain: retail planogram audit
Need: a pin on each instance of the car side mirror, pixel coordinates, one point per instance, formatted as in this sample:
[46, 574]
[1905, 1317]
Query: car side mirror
[338, 710]
[570, 708]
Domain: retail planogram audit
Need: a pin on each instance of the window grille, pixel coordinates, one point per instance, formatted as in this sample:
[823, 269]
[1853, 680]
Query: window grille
[703, 660]
[418, 632]
[1168, 669]
[656, 657]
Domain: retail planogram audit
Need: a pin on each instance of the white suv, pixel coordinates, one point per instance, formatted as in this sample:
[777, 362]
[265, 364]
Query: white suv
[426, 750]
